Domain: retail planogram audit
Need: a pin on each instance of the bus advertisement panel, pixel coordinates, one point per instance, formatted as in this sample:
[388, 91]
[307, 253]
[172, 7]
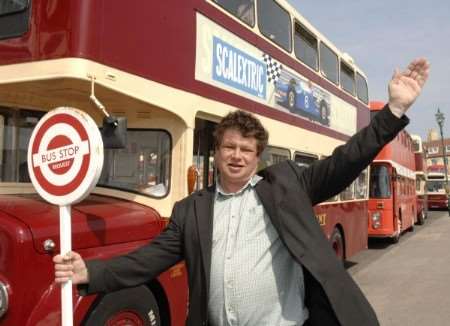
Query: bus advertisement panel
[172, 85]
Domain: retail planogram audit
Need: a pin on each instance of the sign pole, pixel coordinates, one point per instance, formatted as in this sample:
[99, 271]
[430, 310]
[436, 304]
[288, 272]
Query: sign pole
[65, 160]
[66, 246]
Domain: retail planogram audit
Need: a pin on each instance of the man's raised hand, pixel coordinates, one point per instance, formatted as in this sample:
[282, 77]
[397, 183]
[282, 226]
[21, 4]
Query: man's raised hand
[406, 86]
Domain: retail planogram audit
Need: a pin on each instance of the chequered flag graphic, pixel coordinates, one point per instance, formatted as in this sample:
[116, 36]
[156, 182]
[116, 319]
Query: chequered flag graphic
[273, 68]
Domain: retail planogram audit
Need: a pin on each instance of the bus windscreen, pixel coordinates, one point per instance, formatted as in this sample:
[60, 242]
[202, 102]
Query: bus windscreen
[380, 182]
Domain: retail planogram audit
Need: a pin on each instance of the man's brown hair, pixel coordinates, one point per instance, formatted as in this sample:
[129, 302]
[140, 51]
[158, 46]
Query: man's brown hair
[247, 124]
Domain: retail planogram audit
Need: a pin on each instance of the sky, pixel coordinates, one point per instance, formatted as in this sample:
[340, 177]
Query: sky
[385, 34]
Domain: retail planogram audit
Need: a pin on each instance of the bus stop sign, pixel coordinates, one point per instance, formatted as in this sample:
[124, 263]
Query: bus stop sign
[65, 156]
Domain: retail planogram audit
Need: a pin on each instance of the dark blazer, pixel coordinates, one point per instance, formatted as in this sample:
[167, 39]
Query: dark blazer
[288, 193]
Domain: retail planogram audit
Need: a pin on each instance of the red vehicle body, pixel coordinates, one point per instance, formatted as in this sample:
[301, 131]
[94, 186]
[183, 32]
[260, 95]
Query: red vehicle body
[392, 197]
[421, 175]
[27, 269]
[143, 60]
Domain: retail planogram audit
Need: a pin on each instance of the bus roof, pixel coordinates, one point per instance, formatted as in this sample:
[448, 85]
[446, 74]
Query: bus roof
[376, 105]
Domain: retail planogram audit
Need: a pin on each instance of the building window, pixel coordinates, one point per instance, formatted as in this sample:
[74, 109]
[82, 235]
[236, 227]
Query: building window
[447, 148]
[433, 150]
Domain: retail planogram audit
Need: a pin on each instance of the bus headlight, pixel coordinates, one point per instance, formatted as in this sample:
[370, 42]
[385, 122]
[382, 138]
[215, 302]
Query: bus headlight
[3, 299]
[376, 220]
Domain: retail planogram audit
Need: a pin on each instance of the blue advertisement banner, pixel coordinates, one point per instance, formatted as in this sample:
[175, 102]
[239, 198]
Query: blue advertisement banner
[237, 69]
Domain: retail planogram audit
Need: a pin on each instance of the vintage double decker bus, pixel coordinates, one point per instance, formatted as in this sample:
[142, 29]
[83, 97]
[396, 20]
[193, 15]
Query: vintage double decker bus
[173, 69]
[421, 175]
[392, 196]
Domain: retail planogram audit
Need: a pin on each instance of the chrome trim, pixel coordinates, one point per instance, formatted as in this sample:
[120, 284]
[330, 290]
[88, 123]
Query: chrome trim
[49, 245]
[3, 299]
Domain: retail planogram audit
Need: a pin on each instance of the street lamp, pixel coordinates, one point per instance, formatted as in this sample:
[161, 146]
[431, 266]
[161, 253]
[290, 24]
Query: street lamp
[440, 121]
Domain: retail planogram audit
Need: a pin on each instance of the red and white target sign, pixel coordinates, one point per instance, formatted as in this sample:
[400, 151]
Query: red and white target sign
[65, 156]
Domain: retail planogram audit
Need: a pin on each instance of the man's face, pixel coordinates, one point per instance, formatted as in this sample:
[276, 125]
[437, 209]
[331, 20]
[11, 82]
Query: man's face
[237, 159]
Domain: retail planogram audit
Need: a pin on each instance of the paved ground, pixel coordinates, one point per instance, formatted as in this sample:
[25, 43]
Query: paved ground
[409, 283]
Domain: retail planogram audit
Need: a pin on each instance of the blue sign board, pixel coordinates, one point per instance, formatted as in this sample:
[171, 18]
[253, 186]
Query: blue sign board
[239, 70]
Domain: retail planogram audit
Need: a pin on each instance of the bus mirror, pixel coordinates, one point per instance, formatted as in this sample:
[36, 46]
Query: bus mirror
[192, 178]
[114, 132]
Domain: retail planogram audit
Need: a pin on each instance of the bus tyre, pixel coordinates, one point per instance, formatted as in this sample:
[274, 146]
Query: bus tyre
[411, 229]
[398, 231]
[337, 243]
[131, 307]
[421, 218]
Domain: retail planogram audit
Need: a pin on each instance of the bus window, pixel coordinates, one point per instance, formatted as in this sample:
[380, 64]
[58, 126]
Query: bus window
[380, 183]
[273, 155]
[12, 6]
[305, 47]
[361, 88]
[143, 166]
[328, 63]
[275, 23]
[348, 193]
[416, 145]
[303, 159]
[361, 185]
[436, 186]
[14, 16]
[17, 126]
[347, 78]
[244, 10]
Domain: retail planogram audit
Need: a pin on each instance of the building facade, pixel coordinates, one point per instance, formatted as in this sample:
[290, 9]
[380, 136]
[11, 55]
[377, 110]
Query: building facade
[435, 151]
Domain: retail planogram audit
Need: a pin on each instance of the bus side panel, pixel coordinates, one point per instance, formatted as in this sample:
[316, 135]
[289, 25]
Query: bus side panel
[350, 218]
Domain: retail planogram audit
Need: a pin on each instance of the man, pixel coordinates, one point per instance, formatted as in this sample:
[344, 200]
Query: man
[254, 252]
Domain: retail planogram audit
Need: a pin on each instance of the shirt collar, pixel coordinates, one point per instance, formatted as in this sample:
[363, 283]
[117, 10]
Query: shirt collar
[250, 183]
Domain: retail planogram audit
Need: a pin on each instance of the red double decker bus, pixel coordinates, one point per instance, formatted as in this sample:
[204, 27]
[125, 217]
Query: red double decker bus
[421, 177]
[173, 69]
[392, 196]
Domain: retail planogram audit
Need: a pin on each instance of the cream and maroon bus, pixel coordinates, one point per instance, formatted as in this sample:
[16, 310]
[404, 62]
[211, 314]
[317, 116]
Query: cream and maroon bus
[172, 69]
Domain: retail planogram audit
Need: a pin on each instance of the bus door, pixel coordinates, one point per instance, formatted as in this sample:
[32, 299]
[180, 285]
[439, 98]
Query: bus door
[203, 156]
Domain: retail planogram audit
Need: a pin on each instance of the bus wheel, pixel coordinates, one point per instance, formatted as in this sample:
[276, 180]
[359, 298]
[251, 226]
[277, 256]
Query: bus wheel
[132, 307]
[398, 231]
[291, 99]
[421, 218]
[337, 242]
[411, 228]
